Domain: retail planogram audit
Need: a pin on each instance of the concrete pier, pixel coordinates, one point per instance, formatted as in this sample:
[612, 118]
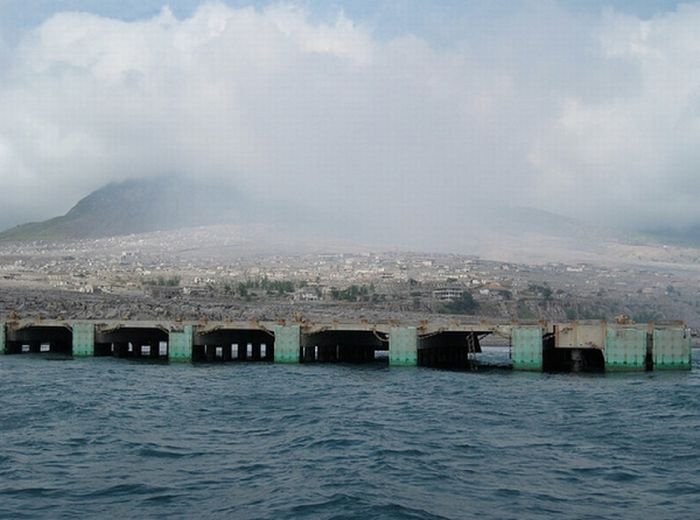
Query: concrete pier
[626, 348]
[403, 346]
[180, 342]
[671, 349]
[527, 348]
[287, 343]
[543, 346]
[83, 339]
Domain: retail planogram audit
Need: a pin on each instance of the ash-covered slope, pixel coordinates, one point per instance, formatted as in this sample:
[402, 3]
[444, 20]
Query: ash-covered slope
[138, 206]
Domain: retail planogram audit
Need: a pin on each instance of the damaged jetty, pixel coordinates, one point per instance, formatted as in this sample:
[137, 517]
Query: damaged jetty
[541, 346]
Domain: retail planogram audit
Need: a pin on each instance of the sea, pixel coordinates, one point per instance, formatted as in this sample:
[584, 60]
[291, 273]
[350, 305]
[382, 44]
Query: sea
[112, 438]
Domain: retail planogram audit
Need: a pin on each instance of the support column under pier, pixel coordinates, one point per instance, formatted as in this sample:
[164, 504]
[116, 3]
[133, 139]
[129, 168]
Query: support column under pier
[403, 347]
[672, 349]
[3, 342]
[625, 349]
[180, 345]
[526, 347]
[287, 343]
[83, 339]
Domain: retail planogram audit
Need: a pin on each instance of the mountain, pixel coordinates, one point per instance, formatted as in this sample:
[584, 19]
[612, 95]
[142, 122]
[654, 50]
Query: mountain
[139, 206]
[520, 220]
[686, 237]
[496, 232]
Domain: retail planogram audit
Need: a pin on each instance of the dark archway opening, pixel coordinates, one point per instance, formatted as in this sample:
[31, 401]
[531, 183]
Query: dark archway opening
[238, 345]
[344, 346]
[132, 343]
[39, 340]
[450, 350]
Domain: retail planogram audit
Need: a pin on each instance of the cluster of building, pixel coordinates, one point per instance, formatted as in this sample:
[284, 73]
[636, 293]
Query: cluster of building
[158, 267]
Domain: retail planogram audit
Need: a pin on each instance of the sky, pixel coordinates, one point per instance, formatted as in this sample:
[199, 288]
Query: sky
[405, 115]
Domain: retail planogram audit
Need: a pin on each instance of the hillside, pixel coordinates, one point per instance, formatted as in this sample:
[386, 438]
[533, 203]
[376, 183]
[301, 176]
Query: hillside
[519, 234]
[137, 206]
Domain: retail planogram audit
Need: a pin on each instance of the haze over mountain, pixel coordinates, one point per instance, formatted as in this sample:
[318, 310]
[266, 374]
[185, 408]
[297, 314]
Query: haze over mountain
[174, 202]
[174, 214]
[139, 206]
[170, 202]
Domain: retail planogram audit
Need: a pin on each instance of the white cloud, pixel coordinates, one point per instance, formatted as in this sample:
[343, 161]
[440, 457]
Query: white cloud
[595, 117]
[633, 156]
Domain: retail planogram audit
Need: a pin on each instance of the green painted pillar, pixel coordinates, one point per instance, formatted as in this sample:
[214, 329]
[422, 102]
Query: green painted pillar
[287, 343]
[625, 349]
[526, 348]
[671, 348]
[403, 347]
[83, 339]
[180, 345]
[3, 349]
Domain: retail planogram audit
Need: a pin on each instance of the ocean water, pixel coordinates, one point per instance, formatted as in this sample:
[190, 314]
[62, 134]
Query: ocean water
[108, 438]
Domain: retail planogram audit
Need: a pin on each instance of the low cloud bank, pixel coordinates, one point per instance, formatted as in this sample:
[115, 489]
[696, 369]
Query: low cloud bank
[595, 117]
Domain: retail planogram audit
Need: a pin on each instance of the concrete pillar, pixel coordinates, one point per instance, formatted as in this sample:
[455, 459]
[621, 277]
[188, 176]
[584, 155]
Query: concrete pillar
[287, 343]
[180, 345]
[671, 349]
[625, 349]
[526, 345]
[3, 339]
[83, 339]
[403, 347]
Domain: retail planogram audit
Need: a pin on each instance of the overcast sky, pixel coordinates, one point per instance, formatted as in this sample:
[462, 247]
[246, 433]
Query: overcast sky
[408, 112]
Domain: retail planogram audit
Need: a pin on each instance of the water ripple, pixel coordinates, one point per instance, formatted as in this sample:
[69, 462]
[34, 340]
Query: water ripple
[103, 437]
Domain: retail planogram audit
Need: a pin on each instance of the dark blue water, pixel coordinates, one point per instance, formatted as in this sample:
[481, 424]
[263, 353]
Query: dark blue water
[110, 438]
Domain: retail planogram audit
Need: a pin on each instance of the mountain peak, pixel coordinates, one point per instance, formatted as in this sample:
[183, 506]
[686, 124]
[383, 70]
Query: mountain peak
[137, 206]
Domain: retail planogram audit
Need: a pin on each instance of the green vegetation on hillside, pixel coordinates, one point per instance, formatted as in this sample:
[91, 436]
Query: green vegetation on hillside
[466, 304]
